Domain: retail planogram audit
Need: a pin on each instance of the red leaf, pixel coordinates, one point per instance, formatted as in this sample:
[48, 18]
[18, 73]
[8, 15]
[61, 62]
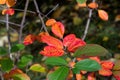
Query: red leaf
[29, 39]
[50, 22]
[52, 51]
[76, 44]
[40, 35]
[105, 72]
[9, 11]
[91, 76]
[103, 15]
[51, 41]
[107, 64]
[68, 39]
[58, 29]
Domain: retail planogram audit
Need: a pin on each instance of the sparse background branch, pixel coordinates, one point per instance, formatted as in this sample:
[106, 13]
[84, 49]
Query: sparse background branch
[88, 23]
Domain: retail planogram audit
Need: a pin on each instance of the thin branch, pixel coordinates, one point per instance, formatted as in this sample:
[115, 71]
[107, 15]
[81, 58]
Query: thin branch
[10, 23]
[52, 10]
[88, 23]
[23, 21]
[8, 35]
[39, 15]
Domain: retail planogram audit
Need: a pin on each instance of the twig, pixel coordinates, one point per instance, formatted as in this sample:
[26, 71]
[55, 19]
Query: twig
[8, 36]
[88, 23]
[10, 23]
[52, 10]
[23, 21]
[1, 75]
[39, 15]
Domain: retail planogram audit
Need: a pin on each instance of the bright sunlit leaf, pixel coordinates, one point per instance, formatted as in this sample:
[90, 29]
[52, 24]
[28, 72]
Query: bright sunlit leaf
[10, 3]
[37, 68]
[93, 5]
[2, 1]
[103, 15]
[52, 51]
[50, 22]
[51, 41]
[58, 29]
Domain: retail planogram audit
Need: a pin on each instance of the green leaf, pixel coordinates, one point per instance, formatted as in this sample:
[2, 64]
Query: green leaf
[24, 61]
[91, 50]
[55, 61]
[6, 64]
[37, 68]
[81, 1]
[17, 47]
[3, 51]
[60, 74]
[21, 76]
[86, 65]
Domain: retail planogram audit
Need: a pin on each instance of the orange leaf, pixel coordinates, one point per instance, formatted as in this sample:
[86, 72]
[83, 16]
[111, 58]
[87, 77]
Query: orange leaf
[51, 41]
[68, 39]
[72, 64]
[103, 15]
[105, 72]
[81, 5]
[41, 34]
[76, 44]
[9, 11]
[50, 22]
[58, 29]
[78, 77]
[29, 39]
[10, 3]
[7, 76]
[107, 64]
[2, 1]
[93, 5]
[52, 51]
[91, 76]
[95, 58]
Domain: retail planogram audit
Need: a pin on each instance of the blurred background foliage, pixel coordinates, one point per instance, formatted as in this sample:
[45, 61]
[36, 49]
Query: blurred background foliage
[105, 33]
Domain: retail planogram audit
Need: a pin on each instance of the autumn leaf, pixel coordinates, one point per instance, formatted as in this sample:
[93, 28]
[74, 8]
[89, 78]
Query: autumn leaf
[9, 11]
[107, 64]
[93, 5]
[10, 3]
[51, 41]
[50, 22]
[103, 15]
[16, 74]
[91, 76]
[68, 39]
[76, 44]
[29, 39]
[2, 1]
[78, 76]
[105, 72]
[58, 29]
[52, 51]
